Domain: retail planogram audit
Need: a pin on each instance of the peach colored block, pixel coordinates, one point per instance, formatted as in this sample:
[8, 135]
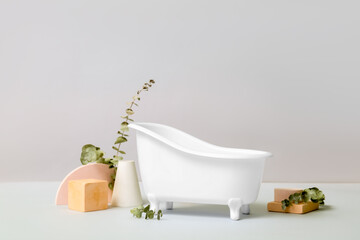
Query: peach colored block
[87, 195]
[94, 171]
[293, 208]
[284, 193]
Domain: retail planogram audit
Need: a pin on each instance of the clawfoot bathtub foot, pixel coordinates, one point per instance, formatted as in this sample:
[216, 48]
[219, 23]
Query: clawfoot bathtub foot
[154, 203]
[245, 209]
[234, 205]
[169, 205]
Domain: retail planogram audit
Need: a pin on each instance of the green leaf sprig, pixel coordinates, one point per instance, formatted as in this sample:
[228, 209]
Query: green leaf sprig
[93, 154]
[124, 125]
[310, 194]
[149, 214]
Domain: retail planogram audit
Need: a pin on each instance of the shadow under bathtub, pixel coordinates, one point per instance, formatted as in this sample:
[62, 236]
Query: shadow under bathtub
[217, 211]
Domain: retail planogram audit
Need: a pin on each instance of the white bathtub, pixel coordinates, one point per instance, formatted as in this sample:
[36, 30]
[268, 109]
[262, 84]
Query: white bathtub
[177, 167]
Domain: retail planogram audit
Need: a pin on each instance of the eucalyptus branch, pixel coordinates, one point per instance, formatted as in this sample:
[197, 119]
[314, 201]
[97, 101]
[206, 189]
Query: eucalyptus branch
[93, 154]
[149, 214]
[124, 125]
[310, 194]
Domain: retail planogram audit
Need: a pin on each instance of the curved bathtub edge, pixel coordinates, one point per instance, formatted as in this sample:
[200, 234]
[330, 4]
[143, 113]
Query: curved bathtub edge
[142, 129]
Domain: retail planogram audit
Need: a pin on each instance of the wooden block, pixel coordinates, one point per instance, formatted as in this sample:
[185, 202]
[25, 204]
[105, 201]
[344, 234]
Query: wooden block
[284, 193]
[87, 195]
[91, 171]
[293, 208]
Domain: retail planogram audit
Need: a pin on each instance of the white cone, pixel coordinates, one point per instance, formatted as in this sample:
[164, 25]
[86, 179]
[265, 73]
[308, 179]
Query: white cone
[126, 191]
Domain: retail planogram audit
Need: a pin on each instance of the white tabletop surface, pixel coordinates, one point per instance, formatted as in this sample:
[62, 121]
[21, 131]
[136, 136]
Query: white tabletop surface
[27, 211]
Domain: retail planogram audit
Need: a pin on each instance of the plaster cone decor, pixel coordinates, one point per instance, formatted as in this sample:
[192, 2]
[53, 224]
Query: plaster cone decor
[126, 191]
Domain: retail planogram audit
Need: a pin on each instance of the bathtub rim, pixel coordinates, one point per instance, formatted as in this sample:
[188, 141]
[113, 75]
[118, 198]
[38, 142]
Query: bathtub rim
[237, 154]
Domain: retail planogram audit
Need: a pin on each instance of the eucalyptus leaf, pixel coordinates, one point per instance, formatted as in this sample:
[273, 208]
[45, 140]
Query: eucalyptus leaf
[91, 153]
[124, 123]
[291, 197]
[147, 208]
[285, 203]
[124, 128]
[115, 161]
[129, 111]
[100, 160]
[118, 158]
[120, 139]
[115, 148]
[159, 214]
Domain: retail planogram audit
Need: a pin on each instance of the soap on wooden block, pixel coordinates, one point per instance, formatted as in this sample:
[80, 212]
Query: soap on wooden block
[88, 195]
[293, 208]
[284, 193]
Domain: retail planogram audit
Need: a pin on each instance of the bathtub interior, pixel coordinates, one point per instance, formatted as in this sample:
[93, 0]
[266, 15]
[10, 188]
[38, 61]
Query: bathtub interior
[185, 141]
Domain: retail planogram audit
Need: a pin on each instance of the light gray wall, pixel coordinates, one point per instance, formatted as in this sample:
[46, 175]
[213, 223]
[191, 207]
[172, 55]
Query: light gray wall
[281, 76]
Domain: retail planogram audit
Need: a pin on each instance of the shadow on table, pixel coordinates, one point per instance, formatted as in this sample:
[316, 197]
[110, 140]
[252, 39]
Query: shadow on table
[257, 210]
[326, 208]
